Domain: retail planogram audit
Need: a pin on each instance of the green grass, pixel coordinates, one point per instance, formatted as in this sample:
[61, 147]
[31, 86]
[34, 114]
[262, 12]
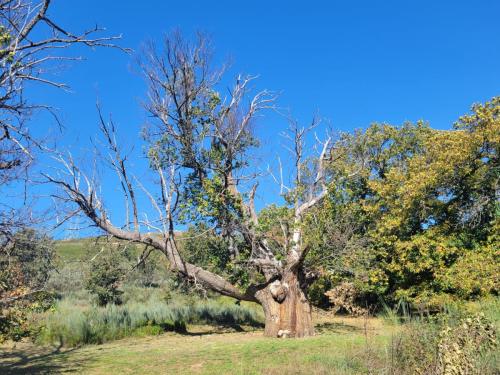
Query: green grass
[81, 248]
[138, 337]
[71, 250]
[201, 352]
[343, 345]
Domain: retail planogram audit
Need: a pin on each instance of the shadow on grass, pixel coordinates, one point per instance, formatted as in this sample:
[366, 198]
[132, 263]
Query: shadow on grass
[335, 327]
[37, 361]
[221, 329]
[28, 359]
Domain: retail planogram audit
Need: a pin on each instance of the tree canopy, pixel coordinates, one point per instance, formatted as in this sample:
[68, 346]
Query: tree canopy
[403, 212]
[425, 204]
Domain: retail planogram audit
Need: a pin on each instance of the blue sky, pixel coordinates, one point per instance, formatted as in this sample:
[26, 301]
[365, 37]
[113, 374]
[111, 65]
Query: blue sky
[354, 62]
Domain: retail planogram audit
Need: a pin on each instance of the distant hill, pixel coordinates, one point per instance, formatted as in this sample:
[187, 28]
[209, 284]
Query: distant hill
[76, 249]
[73, 249]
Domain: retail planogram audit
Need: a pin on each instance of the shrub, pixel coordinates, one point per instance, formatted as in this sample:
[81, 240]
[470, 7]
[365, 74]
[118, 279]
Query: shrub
[444, 345]
[105, 275]
[28, 262]
[71, 325]
[343, 296]
[25, 264]
[68, 278]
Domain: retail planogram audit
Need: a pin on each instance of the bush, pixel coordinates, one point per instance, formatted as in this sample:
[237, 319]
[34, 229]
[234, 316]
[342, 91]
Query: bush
[105, 275]
[460, 341]
[25, 264]
[445, 345]
[68, 278]
[28, 262]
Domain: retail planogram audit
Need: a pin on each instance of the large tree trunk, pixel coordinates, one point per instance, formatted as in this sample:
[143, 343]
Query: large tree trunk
[286, 308]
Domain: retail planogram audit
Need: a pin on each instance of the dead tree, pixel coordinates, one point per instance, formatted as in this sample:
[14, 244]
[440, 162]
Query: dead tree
[198, 148]
[31, 46]
[28, 57]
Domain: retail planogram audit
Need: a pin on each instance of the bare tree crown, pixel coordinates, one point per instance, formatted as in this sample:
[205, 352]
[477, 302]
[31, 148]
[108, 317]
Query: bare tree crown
[31, 44]
[198, 143]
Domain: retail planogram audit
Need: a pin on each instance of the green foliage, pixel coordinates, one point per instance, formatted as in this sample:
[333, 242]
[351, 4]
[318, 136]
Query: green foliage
[420, 207]
[106, 273]
[272, 220]
[446, 345]
[16, 319]
[28, 263]
[474, 274]
[440, 206]
[202, 246]
[24, 269]
[316, 291]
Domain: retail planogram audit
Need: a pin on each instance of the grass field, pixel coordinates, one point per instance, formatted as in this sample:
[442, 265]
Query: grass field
[384, 345]
[70, 250]
[205, 351]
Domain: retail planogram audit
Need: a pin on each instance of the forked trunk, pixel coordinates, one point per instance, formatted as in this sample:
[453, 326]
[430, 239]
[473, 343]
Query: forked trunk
[286, 308]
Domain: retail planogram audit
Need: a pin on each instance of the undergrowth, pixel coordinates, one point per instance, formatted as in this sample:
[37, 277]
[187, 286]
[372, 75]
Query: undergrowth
[75, 323]
[461, 340]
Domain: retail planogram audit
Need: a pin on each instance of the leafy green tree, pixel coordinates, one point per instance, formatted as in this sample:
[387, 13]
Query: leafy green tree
[425, 203]
[108, 267]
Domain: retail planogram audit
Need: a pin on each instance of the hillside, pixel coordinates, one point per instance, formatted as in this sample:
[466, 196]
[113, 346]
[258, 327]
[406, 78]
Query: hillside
[69, 250]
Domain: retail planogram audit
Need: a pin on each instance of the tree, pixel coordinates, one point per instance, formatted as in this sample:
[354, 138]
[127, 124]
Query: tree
[25, 57]
[342, 230]
[425, 202]
[199, 145]
[107, 272]
[31, 45]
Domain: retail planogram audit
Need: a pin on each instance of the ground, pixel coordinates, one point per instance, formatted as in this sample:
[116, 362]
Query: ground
[207, 351]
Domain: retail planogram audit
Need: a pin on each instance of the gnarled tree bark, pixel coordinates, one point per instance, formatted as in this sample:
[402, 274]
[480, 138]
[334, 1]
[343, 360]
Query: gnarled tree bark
[286, 308]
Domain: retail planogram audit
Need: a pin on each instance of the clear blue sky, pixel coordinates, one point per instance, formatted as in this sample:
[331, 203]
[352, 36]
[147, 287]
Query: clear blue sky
[355, 62]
